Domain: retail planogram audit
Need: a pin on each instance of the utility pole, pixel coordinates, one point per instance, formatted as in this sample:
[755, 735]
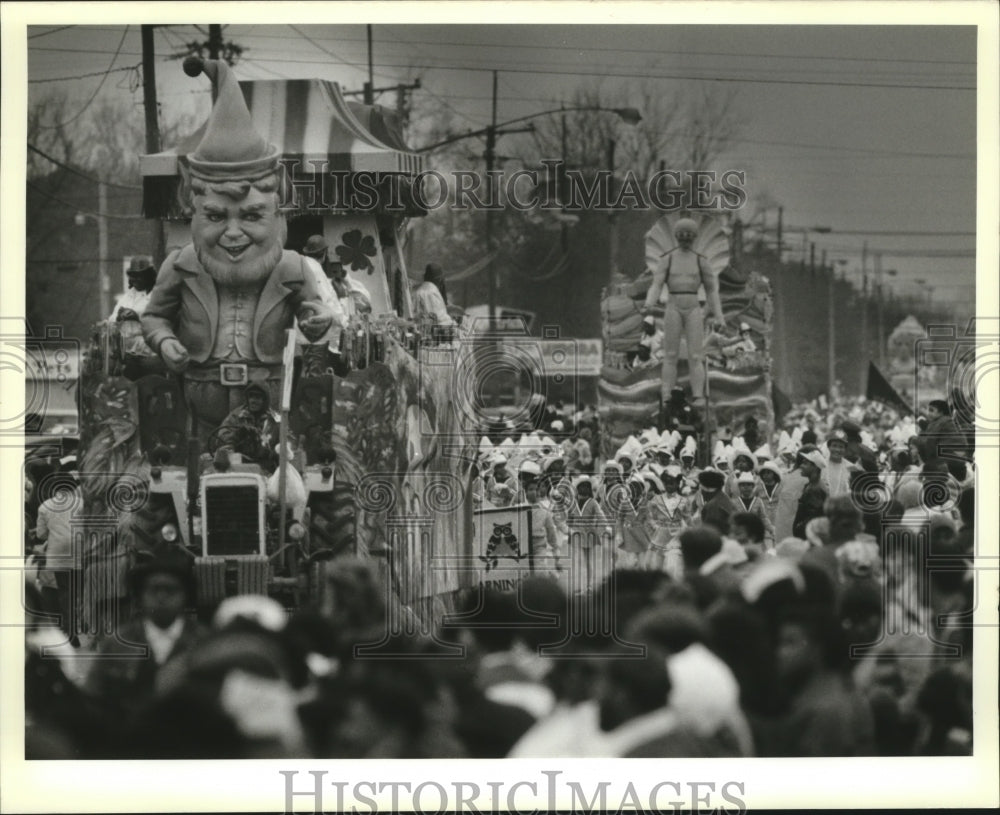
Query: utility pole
[880, 329]
[102, 249]
[561, 184]
[831, 354]
[151, 110]
[612, 215]
[370, 84]
[812, 259]
[214, 41]
[863, 367]
[214, 49]
[781, 219]
[491, 142]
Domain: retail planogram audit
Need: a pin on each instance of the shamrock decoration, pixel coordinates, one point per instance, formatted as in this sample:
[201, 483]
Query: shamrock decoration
[356, 250]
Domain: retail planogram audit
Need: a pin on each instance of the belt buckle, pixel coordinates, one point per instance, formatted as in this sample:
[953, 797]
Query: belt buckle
[233, 374]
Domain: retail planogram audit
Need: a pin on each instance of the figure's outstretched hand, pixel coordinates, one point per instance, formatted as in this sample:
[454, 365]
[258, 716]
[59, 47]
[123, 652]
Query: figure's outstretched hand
[313, 321]
[175, 355]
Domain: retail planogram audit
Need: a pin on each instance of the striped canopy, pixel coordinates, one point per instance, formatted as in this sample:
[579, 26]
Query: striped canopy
[309, 120]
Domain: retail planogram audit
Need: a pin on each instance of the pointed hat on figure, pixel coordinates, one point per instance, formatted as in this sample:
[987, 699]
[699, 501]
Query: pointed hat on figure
[231, 149]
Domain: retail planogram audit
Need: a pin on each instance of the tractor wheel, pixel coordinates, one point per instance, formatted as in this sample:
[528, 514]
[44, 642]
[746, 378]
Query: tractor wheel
[331, 522]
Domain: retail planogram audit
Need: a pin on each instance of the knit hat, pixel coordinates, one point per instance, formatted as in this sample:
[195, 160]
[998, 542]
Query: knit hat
[746, 478]
[711, 479]
[231, 148]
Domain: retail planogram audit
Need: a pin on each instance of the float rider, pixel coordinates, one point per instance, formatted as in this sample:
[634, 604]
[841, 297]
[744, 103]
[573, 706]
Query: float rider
[682, 271]
[250, 430]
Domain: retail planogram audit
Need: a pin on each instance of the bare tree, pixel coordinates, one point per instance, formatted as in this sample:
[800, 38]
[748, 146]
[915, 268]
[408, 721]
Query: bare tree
[48, 132]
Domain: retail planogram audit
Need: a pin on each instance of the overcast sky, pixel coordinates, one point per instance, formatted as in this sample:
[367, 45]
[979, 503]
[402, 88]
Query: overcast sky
[848, 127]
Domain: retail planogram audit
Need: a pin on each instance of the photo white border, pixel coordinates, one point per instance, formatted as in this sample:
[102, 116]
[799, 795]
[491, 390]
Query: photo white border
[119, 786]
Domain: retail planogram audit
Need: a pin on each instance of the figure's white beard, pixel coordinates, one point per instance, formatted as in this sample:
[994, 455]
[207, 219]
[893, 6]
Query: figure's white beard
[241, 273]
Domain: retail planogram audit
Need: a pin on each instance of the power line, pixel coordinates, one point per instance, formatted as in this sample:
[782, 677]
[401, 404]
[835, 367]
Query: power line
[84, 76]
[554, 47]
[97, 90]
[50, 31]
[80, 173]
[520, 69]
[871, 150]
[78, 208]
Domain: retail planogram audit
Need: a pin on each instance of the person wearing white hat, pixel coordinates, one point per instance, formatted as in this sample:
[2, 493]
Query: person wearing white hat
[544, 542]
[669, 514]
[681, 271]
[747, 500]
[770, 492]
[632, 527]
[54, 531]
[590, 523]
[689, 472]
[837, 473]
[501, 487]
[611, 479]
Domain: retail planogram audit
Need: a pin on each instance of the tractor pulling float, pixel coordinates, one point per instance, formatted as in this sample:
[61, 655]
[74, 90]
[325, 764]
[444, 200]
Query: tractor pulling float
[359, 456]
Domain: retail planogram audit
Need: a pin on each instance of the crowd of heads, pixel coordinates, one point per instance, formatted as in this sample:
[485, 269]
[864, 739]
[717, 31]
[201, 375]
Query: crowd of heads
[737, 641]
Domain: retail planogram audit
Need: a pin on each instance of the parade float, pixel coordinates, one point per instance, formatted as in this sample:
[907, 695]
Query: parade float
[382, 455]
[738, 378]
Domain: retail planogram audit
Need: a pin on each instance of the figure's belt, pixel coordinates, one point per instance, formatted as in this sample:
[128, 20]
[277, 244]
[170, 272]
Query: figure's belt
[682, 292]
[234, 373]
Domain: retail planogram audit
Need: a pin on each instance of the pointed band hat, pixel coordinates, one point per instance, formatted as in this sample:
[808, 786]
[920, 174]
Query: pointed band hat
[231, 149]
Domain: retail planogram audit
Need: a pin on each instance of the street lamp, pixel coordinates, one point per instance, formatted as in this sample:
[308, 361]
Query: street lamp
[80, 219]
[628, 115]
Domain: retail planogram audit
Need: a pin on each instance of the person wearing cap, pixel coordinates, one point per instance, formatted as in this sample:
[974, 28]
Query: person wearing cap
[792, 485]
[327, 353]
[837, 473]
[813, 497]
[941, 437]
[650, 350]
[751, 433]
[711, 494]
[857, 451]
[501, 486]
[123, 677]
[353, 294]
[681, 271]
[140, 359]
[54, 536]
[141, 275]
[430, 302]
[252, 429]
[221, 305]
[746, 344]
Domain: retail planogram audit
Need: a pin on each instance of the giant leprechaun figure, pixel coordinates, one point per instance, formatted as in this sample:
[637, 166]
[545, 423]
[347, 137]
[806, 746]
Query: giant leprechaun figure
[221, 305]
